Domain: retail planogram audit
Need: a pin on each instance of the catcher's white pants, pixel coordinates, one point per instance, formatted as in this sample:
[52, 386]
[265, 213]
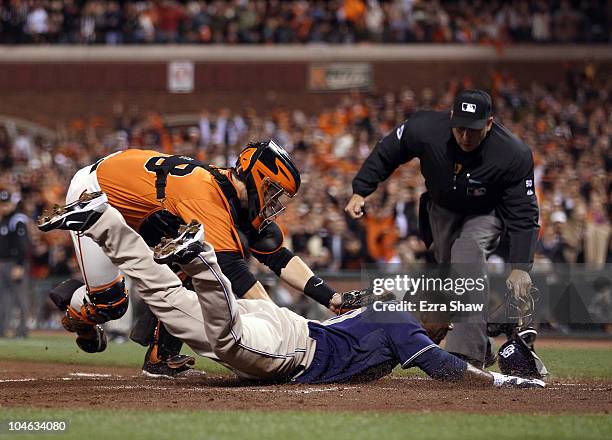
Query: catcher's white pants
[96, 267]
[255, 338]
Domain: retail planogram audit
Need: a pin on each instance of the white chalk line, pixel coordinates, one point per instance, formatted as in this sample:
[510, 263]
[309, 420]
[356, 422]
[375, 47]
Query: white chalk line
[77, 376]
[130, 387]
[415, 378]
[92, 375]
[29, 379]
[290, 391]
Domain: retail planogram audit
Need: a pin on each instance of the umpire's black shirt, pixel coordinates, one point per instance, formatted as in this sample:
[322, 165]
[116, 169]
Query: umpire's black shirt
[498, 175]
[13, 238]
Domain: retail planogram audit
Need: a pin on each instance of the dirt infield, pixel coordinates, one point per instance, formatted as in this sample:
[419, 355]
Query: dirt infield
[43, 385]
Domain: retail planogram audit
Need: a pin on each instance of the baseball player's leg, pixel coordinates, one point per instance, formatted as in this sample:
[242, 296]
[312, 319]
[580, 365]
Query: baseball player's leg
[96, 267]
[177, 307]
[485, 230]
[5, 298]
[98, 270]
[104, 296]
[256, 338]
[120, 328]
[445, 227]
[478, 237]
[22, 301]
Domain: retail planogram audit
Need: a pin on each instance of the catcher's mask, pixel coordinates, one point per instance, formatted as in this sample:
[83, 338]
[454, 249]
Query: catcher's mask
[270, 177]
[518, 358]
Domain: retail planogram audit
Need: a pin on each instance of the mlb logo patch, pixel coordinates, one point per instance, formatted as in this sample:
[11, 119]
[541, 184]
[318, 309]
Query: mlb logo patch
[468, 107]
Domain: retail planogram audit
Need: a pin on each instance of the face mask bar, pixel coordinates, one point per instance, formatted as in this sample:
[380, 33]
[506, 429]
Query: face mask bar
[274, 199]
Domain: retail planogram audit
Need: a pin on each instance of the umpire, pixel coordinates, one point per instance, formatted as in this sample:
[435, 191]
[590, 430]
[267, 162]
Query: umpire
[13, 255]
[479, 180]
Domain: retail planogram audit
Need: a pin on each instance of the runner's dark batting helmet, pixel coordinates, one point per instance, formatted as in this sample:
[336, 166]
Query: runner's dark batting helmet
[518, 358]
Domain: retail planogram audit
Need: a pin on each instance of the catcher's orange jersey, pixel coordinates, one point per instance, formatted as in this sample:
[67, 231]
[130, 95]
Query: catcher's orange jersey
[130, 188]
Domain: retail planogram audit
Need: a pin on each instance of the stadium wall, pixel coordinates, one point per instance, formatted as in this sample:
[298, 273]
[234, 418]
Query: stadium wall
[51, 85]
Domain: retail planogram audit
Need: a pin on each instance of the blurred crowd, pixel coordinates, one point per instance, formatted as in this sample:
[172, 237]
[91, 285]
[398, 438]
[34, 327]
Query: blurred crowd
[299, 21]
[568, 127]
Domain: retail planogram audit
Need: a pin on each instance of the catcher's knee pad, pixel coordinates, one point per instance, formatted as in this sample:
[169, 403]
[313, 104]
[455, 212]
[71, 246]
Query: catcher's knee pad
[101, 305]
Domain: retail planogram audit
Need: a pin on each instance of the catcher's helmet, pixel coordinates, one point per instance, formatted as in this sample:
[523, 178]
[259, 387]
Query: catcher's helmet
[269, 175]
[517, 356]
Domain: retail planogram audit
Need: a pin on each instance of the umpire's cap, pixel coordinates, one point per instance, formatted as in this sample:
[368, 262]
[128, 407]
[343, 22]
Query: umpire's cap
[471, 109]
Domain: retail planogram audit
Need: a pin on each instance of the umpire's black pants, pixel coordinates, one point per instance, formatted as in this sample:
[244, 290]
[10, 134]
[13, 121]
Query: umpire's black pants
[12, 294]
[466, 240]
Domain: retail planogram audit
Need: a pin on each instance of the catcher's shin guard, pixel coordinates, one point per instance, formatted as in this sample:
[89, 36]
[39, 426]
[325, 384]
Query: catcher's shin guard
[100, 305]
[106, 303]
[90, 337]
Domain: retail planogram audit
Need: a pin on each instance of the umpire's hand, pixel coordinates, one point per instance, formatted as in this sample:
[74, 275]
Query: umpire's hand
[355, 206]
[519, 282]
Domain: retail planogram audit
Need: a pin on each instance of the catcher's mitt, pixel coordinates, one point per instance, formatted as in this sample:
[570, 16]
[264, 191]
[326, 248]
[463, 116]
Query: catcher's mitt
[355, 299]
[521, 310]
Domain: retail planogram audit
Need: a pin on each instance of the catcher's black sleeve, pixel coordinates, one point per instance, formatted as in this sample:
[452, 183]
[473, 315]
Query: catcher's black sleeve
[519, 210]
[235, 268]
[396, 148]
[276, 261]
[318, 290]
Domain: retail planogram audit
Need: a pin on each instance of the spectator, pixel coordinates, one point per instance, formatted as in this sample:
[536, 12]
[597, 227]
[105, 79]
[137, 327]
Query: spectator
[597, 233]
[37, 23]
[170, 17]
[540, 23]
[568, 128]
[552, 244]
[297, 21]
[113, 24]
[600, 306]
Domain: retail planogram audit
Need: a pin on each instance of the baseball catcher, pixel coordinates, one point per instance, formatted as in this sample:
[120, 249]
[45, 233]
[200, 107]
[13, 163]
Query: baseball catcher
[156, 193]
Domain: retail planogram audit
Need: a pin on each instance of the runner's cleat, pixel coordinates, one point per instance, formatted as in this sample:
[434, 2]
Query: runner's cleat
[76, 216]
[182, 249]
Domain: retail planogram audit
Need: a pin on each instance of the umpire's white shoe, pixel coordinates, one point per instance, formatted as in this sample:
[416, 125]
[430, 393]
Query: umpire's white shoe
[76, 216]
[182, 249]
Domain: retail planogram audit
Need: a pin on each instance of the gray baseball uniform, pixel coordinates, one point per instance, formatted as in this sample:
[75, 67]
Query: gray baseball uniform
[265, 340]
